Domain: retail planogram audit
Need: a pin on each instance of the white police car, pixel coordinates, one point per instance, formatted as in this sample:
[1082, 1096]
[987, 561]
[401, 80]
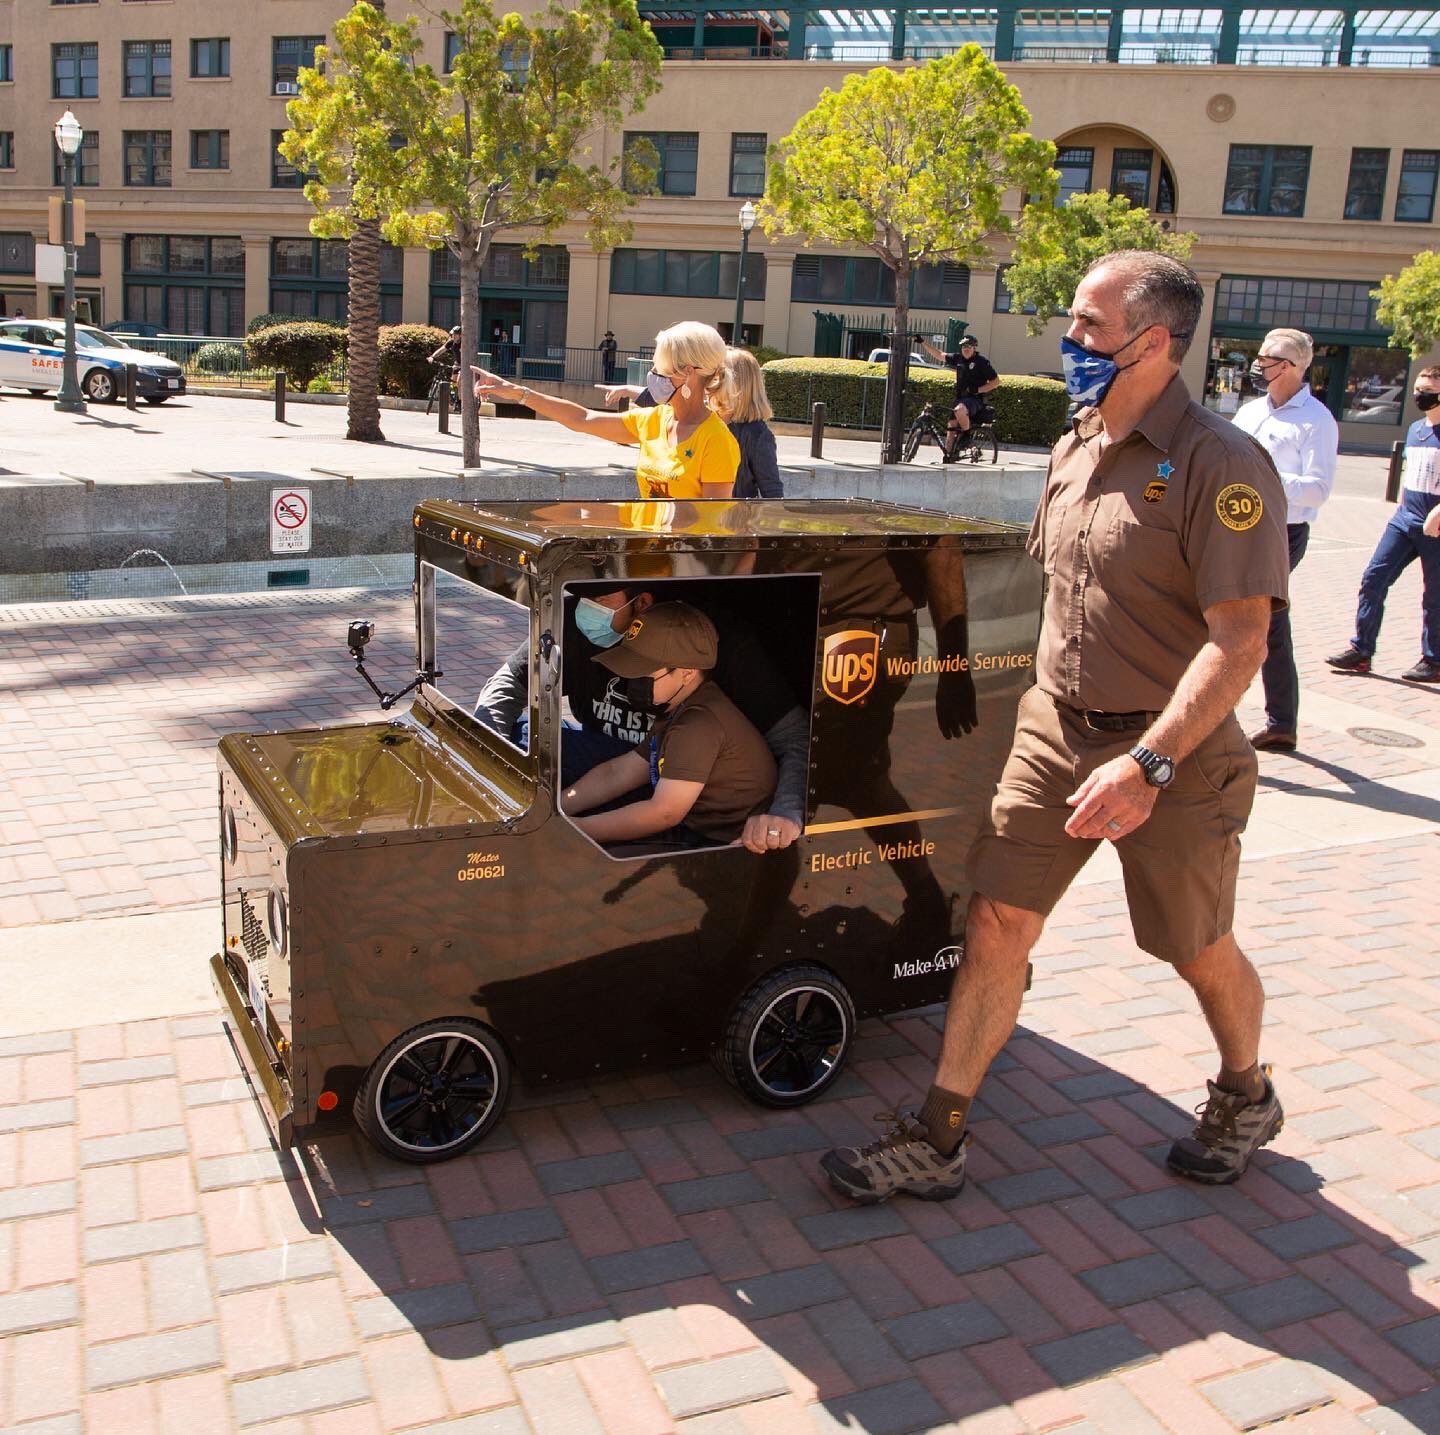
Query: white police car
[32, 356]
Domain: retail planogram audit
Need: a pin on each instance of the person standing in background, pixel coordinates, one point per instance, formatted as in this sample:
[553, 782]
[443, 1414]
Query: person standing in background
[747, 413]
[1409, 535]
[1303, 440]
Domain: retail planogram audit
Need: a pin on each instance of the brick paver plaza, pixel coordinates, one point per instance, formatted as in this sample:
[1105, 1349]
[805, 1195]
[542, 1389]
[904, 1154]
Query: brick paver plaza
[645, 1255]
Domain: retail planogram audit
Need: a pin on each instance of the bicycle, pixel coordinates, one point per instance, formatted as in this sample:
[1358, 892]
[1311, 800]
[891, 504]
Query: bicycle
[978, 445]
[437, 387]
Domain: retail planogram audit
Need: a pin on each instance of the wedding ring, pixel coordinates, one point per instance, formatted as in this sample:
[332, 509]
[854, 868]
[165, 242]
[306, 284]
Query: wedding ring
[1113, 825]
[772, 831]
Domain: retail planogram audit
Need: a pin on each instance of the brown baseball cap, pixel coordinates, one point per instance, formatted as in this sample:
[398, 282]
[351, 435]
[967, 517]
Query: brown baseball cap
[667, 635]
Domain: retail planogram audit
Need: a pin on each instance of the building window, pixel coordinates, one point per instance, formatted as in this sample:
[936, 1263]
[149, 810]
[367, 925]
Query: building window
[283, 174]
[17, 253]
[691, 273]
[186, 284]
[1004, 302]
[1076, 168]
[7, 149]
[209, 59]
[7, 64]
[1130, 175]
[747, 165]
[292, 53]
[1267, 179]
[147, 158]
[1415, 202]
[309, 279]
[1307, 304]
[147, 69]
[1165, 191]
[941, 286]
[678, 155]
[87, 161]
[209, 149]
[1365, 192]
[75, 71]
[452, 50]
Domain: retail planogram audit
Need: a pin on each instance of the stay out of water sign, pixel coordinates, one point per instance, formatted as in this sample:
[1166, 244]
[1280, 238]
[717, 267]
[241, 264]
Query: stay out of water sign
[289, 520]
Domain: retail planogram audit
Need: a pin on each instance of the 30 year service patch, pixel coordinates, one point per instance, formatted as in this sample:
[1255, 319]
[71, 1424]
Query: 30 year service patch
[1239, 507]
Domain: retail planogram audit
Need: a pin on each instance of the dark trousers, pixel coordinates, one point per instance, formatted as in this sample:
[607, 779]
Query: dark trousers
[1277, 672]
[1401, 544]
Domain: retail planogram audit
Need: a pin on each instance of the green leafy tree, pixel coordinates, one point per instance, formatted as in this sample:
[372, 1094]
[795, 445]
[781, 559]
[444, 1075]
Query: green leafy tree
[500, 144]
[1409, 304]
[1054, 247]
[337, 131]
[912, 165]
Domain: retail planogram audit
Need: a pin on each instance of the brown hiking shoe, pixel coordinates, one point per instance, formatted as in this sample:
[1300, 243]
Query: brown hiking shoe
[1230, 1131]
[901, 1160]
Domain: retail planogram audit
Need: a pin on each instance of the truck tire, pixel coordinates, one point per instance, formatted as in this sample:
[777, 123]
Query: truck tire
[788, 1036]
[435, 1091]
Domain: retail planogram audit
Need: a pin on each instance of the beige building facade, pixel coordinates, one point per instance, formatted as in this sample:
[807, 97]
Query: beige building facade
[1305, 168]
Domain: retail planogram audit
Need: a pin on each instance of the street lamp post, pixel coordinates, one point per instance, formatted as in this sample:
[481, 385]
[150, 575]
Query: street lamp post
[68, 135]
[747, 223]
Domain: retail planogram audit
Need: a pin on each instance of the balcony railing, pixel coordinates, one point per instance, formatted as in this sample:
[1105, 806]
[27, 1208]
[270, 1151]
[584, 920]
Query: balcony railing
[1064, 54]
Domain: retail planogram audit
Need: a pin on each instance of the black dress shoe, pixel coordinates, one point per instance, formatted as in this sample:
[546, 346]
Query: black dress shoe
[1427, 670]
[1271, 739]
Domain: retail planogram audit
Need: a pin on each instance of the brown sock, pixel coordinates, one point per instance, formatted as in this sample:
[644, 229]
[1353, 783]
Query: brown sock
[1249, 1083]
[944, 1115]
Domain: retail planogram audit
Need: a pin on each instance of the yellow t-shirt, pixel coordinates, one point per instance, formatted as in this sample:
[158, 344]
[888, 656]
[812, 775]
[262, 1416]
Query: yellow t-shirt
[709, 455]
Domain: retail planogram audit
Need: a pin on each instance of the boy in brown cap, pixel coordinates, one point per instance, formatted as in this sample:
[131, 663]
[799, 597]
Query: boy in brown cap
[706, 766]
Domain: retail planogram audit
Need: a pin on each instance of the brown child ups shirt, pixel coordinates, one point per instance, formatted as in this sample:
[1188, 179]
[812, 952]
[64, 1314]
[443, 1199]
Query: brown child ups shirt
[709, 740]
[1184, 512]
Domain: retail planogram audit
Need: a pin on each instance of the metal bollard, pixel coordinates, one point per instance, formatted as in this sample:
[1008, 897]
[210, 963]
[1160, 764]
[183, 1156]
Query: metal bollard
[132, 373]
[1397, 465]
[279, 396]
[445, 406]
[817, 429]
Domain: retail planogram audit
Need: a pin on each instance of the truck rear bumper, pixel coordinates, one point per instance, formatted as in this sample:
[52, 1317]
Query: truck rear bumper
[266, 1076]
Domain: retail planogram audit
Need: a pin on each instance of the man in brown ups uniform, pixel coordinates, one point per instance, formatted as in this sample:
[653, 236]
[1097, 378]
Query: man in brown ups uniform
[1162, 532]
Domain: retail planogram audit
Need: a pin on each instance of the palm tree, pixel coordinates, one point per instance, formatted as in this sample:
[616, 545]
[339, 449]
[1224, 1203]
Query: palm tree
[363, 349]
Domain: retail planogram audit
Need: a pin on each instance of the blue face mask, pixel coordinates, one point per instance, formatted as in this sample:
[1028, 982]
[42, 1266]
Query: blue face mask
[596, 622]
[1088, 374]
[661, 388]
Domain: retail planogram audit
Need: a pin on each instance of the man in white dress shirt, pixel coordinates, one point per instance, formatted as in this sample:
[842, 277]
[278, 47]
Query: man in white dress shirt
[1300, 435]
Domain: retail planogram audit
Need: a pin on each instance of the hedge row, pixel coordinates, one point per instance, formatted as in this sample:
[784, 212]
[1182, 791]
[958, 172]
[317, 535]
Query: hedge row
[307, 349]
[1027, 410]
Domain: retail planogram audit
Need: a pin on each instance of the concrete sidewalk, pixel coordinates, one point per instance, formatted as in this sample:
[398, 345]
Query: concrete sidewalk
[651, 1254]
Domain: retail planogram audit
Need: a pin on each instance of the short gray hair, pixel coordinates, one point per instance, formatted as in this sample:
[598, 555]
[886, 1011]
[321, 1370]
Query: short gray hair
[1158, 290]
[1293, 344]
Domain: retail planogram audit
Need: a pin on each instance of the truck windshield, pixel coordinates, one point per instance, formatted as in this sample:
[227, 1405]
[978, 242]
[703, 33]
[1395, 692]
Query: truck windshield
[480, 642]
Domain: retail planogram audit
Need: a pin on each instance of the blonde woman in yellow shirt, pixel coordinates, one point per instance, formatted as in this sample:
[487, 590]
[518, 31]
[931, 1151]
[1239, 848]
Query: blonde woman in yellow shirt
[686, 451]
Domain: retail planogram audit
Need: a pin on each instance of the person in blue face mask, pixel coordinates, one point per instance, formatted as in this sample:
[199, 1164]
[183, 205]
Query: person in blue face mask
[1161, 528]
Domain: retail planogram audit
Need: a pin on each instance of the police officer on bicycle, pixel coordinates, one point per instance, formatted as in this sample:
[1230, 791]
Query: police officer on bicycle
[448, 354]
[975, 377]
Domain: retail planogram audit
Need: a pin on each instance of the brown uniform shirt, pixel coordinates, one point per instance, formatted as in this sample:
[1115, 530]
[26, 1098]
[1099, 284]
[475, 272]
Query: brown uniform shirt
[1184, 512]
[711, 741]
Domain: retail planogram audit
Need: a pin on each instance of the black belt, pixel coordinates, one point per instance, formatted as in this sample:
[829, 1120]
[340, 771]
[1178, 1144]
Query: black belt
[1114, 722]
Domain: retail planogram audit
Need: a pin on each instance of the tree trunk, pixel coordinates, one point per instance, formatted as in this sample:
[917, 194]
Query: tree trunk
[363, 349]
[470, 261]
[898, 374]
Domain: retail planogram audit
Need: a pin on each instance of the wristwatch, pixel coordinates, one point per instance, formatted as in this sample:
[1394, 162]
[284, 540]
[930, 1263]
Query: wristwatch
[1159, 771]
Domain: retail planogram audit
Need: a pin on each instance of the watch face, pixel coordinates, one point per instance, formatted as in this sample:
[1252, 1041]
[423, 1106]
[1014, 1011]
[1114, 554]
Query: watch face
[1162, 772]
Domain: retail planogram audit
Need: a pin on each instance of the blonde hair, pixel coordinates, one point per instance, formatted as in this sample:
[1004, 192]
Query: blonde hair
[748, 399]
[697, 346]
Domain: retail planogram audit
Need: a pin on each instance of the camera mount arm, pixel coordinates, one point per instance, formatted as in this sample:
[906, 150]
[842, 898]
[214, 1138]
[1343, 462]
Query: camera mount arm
[359, 635]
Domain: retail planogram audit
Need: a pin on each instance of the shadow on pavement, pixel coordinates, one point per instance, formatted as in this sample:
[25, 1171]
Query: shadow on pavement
[664, 1214]
[1371, 793]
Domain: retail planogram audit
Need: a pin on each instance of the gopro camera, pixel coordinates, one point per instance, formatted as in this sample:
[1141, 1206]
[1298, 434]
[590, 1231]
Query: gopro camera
[360, 633]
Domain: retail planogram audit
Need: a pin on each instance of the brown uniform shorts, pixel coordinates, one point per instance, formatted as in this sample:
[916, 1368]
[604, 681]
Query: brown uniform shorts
[1180, 865]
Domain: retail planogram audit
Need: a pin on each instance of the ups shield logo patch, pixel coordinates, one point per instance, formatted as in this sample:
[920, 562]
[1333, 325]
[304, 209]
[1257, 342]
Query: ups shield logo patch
[1155, 491]
[851, 661]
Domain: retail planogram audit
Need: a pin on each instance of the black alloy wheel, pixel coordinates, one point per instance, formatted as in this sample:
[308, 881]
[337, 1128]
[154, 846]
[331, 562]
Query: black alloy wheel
[435, 1091]
[788, 1036]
